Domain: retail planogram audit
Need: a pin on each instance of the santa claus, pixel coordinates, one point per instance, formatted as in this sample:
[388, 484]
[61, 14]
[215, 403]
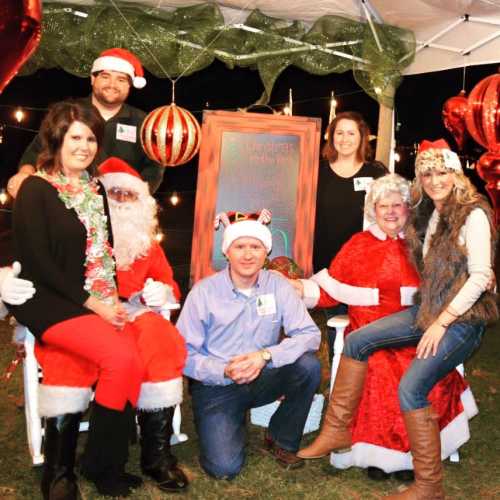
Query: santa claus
[148, 290]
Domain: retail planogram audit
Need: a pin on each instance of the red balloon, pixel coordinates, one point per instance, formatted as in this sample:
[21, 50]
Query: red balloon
[488, 167]
[483, 116]
[19, 35]
[454, 117]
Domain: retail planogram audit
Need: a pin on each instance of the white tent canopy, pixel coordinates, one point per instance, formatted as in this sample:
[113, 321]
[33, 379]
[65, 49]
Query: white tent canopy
[449, 33]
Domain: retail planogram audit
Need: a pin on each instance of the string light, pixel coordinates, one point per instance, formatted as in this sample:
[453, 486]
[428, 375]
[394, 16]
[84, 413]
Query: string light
[19, 115]
[397, 156]
[288, 109]
[174, 199]
[333, 107]
[2, 129]
[3, 197]
[159, 236]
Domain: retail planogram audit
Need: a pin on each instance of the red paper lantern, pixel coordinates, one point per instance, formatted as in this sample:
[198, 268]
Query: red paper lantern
[453, 114]
[19, 35]
[482, 117]
[488, 167]
[170, 135]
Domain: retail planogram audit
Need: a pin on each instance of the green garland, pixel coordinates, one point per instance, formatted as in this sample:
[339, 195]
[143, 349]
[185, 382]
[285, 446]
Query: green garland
[178, 39]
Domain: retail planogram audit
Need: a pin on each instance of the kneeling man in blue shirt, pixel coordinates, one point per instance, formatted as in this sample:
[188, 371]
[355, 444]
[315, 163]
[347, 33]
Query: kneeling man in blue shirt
[231, 322]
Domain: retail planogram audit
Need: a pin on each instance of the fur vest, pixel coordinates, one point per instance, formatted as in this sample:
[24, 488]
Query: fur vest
[444, 270]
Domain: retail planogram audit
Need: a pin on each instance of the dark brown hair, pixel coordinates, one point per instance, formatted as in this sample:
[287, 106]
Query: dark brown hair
[364, 151]
[55, 125]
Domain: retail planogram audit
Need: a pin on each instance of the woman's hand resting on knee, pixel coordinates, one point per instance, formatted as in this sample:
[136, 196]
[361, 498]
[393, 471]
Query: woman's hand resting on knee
[112, 313]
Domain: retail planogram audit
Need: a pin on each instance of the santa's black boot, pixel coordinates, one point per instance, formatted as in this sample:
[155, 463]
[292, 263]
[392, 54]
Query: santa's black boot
[157, 460]
[60, 440]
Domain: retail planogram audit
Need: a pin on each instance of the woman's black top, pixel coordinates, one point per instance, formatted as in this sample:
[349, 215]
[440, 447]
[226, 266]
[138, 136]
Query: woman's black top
[339, 209]
[50, 242]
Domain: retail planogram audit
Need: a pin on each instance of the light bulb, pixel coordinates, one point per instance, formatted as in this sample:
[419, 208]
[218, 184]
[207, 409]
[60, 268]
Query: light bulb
[174, 199]
[19, 115]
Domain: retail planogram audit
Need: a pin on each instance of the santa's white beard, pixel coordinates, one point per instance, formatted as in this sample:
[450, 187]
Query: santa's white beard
[134, 227]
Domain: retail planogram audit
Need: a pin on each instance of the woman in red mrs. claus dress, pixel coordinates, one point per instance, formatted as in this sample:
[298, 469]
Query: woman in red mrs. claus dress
[373, 275]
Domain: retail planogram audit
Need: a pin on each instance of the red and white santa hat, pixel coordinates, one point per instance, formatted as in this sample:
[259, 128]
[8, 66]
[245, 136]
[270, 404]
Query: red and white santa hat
[116, 173]
[239, 225]
[437, 154]
[121, 60]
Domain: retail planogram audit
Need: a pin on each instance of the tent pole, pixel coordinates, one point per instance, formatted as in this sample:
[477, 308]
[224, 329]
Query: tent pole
[385, 128]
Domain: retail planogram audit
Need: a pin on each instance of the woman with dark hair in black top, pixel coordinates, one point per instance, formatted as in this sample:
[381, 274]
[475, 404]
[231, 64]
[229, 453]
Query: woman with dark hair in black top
[61, 237]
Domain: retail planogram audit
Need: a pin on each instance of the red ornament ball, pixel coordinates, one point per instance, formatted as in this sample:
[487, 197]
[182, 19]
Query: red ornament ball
[170, 135]
[453, 114]
[286, 266]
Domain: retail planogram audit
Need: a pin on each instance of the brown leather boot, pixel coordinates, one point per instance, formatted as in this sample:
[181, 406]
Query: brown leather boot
[425, 445]
[344, 400]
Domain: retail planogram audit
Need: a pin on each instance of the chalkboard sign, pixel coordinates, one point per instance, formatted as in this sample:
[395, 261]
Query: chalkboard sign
[252, 161]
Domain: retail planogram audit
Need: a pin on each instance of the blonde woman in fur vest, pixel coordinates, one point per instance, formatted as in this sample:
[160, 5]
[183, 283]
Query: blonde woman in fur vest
[451, 238]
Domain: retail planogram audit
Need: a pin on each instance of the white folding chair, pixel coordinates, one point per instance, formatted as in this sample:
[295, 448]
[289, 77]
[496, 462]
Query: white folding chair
[34, 428]
[340, 323]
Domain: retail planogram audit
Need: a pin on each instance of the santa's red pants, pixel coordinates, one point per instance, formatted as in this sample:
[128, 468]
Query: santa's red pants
[87, 349]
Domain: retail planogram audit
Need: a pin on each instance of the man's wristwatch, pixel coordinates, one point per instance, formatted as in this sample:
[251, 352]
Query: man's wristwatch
[266, 355]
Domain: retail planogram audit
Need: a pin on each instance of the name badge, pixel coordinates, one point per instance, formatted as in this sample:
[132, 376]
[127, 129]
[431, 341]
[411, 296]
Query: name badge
[126, 132]
[266, 304]
[362, 183]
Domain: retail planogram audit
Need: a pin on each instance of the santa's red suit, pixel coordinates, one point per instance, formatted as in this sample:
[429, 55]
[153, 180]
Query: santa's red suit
[67, 379]
[373, 276]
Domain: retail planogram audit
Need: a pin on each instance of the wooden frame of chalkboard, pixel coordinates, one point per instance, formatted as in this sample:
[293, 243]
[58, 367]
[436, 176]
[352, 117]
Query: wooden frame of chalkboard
[247, 156]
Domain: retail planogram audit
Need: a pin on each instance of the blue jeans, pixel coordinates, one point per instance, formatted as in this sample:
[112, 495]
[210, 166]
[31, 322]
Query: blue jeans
[398, 330]
[220, 413]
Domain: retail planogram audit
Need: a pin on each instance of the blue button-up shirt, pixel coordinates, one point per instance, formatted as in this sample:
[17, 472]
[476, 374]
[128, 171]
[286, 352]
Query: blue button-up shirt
[219, 322]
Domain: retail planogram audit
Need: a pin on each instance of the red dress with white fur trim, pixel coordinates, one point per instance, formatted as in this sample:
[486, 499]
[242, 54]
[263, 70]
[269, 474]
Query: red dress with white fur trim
[372, 274]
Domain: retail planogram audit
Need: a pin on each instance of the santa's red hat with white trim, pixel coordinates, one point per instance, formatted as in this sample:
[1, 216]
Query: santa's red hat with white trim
[116, 173]
[123, 61]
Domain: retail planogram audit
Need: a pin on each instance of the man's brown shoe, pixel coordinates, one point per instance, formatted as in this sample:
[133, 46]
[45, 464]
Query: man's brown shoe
[286, 459]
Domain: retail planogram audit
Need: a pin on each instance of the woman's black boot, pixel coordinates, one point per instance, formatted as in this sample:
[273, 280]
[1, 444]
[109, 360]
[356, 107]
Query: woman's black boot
[60, 440]
[157, 460]
[106, 452]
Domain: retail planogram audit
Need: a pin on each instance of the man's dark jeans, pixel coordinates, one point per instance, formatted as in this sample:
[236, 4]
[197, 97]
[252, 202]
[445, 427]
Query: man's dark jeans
[220, 413]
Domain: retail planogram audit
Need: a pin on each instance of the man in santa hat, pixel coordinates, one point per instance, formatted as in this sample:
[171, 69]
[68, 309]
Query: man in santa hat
[113, 74]
[236, 359]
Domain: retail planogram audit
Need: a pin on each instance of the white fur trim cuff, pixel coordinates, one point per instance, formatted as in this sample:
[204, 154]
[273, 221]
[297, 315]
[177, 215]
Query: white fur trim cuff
[158, 395]
[311, 293]
[408, 295]
[348, 294]
[58, 400]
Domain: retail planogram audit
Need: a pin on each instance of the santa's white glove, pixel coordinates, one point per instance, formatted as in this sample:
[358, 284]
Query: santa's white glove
[157, 294]
[14, 290]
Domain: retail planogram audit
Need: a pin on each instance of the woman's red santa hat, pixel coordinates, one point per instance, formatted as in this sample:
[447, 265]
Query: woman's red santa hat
[116, 173]
[123, 61]
[239, 225]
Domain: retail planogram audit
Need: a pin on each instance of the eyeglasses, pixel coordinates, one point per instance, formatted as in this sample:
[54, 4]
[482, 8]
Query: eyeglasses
[120, 194]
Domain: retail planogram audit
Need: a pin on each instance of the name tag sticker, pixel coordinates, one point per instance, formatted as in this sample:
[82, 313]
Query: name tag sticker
[266, 304]
[126, 132]
[362, 183]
